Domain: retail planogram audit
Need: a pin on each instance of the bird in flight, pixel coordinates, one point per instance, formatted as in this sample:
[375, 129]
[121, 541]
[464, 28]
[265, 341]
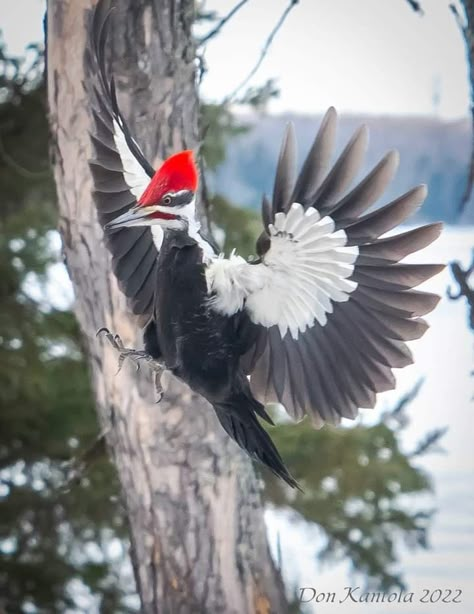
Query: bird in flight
[315, 322]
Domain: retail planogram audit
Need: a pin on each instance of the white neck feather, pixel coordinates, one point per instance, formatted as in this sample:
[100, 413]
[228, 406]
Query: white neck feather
[193, 227]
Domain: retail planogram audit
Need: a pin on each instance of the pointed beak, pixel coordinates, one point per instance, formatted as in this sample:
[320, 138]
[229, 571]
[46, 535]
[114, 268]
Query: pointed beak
[136, 216]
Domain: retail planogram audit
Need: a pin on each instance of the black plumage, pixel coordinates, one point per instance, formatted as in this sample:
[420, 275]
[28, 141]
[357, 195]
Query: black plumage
[317, 322]
[204, 348]
[168, 286]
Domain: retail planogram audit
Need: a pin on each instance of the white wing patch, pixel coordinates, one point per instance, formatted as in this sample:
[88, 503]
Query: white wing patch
[230, 281]
[133, 172]
[303, 273]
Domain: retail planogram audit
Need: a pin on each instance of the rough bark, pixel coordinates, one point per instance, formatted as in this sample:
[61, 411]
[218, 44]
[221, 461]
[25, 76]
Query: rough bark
[197, 531]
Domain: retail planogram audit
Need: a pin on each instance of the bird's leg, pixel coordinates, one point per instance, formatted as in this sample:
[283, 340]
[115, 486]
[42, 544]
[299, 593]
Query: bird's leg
[136, 356]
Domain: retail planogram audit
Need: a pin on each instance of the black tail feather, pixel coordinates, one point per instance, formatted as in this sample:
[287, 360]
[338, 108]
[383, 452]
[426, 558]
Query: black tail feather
[240, 422]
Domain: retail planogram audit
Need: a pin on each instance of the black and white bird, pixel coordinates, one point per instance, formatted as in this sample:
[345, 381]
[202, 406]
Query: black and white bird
[316, 322]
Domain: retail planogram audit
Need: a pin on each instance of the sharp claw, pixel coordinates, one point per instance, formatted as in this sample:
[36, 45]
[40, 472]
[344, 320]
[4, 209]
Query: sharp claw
[121, 360]
[136, 356]
[118, 341]
[158, 386]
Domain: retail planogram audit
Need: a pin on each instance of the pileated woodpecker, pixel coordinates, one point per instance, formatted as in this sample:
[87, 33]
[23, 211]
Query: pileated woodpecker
[316, 322]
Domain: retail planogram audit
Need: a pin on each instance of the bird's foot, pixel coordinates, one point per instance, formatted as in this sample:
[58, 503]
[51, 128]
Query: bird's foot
[136, 356]
[116, 342]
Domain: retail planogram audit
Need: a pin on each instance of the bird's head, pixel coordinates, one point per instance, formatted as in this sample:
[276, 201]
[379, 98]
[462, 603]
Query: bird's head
[169, 199]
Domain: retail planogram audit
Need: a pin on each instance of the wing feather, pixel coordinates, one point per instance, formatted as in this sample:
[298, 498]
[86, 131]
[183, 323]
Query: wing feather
[119, 170]
[397, 247]
[342, 173]
[369, 227]
[317, 161]
[368, 191]
[286, 172]
[414, 302]
[358, 384]
[331, 295]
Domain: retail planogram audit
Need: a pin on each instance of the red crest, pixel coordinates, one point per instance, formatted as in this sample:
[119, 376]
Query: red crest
[177, 173]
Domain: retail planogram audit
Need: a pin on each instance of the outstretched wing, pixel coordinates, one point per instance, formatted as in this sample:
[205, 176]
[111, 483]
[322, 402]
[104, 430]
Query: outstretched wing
[331, 303]
[120, 172]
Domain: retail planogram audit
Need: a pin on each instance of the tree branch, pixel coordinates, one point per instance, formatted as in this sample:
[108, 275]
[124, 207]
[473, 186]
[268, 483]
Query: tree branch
[263, 53]
[416, 6]
[459, 20]
[77, 467]
[429, 443]
[398, 413]
[461, 276]
[222, 23]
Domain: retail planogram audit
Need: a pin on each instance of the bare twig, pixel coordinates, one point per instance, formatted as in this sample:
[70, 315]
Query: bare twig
[398, 413]
[461, 276]
[263, 53]
[77, 467]
[416, 6]
[430, 442]
[222, 22]
[459, 20]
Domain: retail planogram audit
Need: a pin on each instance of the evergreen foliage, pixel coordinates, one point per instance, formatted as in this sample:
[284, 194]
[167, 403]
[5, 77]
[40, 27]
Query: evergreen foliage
[50, 538]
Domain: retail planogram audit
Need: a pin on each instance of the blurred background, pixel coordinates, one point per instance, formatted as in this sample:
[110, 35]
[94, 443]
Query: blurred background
[391, 505]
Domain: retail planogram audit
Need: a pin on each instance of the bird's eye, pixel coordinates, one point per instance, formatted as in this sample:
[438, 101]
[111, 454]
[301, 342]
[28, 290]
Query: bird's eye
[167, 200]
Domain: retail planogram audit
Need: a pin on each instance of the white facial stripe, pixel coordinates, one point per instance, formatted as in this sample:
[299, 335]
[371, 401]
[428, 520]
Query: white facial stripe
[187, 213]
[157, 234]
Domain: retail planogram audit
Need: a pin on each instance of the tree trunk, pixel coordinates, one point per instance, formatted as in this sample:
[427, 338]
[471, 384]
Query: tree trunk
[196, 524]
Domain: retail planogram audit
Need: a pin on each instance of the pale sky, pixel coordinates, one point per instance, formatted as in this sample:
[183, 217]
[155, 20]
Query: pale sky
[365, 56]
